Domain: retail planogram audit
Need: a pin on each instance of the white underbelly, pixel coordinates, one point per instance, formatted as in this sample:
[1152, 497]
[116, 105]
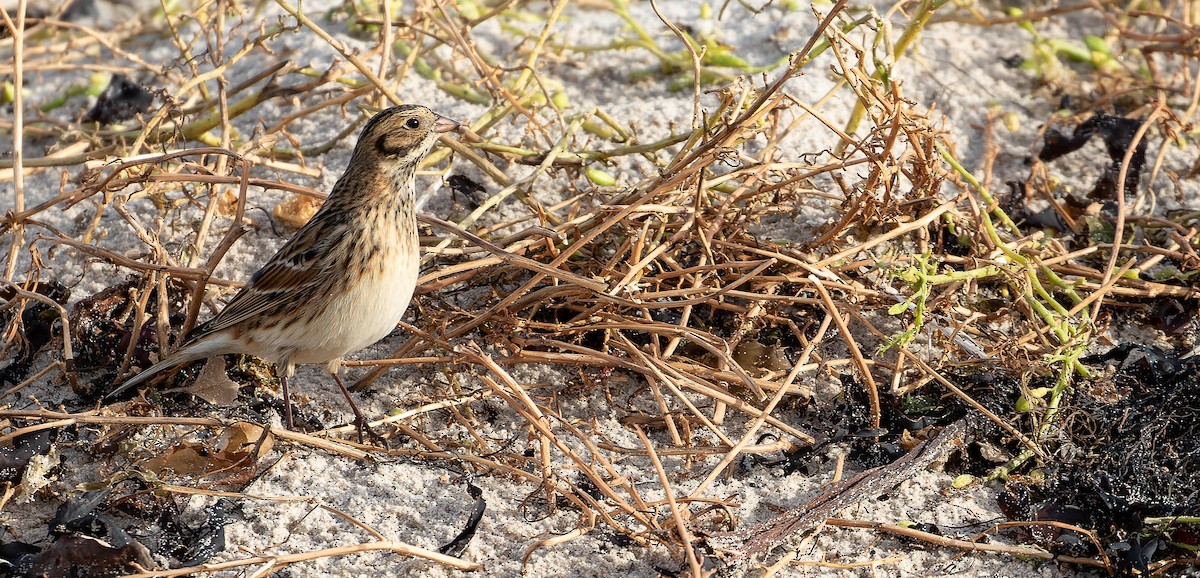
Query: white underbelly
[364, 314]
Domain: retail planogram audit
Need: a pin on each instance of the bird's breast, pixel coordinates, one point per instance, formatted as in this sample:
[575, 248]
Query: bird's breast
[372, 300]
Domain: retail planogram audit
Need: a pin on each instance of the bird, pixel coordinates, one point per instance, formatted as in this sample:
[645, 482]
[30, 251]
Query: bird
[345, 279]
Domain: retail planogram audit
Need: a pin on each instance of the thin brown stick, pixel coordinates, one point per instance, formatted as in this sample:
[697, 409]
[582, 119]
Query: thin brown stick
[280, 561]
[1119, 227]
[864, 369]
[1019, 551]
[685, 536]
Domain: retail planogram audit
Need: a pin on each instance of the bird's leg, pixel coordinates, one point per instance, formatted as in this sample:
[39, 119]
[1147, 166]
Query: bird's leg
[359, 420]
[287, 402]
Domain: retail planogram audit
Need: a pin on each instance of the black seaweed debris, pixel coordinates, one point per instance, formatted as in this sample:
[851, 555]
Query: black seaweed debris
[87, 544]
[460, 542]
[87, 541]
[1117, 133]
[14, 459]
[81, 516]
[122, 100]
[1172, 317]
[101, 329]
[473, 193]
[1132, 460]
[193, 545]
[38, 321]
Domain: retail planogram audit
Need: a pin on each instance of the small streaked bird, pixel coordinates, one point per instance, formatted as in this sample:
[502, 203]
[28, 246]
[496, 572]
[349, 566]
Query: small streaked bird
[344, 280]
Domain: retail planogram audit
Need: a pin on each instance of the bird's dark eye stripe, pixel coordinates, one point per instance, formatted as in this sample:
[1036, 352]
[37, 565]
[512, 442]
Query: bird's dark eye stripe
[412, 123]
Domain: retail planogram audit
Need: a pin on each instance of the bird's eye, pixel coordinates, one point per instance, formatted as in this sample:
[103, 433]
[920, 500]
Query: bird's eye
[412, 123]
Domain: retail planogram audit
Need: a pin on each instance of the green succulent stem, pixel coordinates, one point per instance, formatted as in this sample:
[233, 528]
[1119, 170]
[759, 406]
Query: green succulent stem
[1070, 331]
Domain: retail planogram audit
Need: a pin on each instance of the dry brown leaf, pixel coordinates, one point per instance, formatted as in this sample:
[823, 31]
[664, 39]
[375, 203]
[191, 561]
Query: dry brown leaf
[213, 385]
[238, 445]
[297, 210]
[185, 459]
[227, 202]
[759, 359]
[242, 438]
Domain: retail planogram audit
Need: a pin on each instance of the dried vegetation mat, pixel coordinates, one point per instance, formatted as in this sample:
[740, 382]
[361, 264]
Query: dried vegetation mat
[945, 313]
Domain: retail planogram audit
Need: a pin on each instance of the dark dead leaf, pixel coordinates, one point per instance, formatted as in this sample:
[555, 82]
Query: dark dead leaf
[87, 544]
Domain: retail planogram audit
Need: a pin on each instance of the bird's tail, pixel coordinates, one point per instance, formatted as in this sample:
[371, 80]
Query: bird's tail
[206, 347]
[178, 358]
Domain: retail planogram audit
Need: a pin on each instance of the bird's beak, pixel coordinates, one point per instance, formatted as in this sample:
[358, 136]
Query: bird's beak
[443, 124]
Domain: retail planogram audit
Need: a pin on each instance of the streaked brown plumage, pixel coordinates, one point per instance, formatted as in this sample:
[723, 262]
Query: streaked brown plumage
[345, 279]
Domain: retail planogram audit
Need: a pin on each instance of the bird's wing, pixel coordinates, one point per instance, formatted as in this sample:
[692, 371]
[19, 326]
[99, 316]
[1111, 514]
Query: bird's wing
[295, 267]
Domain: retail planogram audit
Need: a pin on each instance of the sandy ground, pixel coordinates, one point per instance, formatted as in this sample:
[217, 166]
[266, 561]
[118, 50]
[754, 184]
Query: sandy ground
[958, 71]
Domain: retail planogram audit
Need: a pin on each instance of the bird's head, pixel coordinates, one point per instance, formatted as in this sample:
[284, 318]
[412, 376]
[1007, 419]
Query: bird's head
[400, 136]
